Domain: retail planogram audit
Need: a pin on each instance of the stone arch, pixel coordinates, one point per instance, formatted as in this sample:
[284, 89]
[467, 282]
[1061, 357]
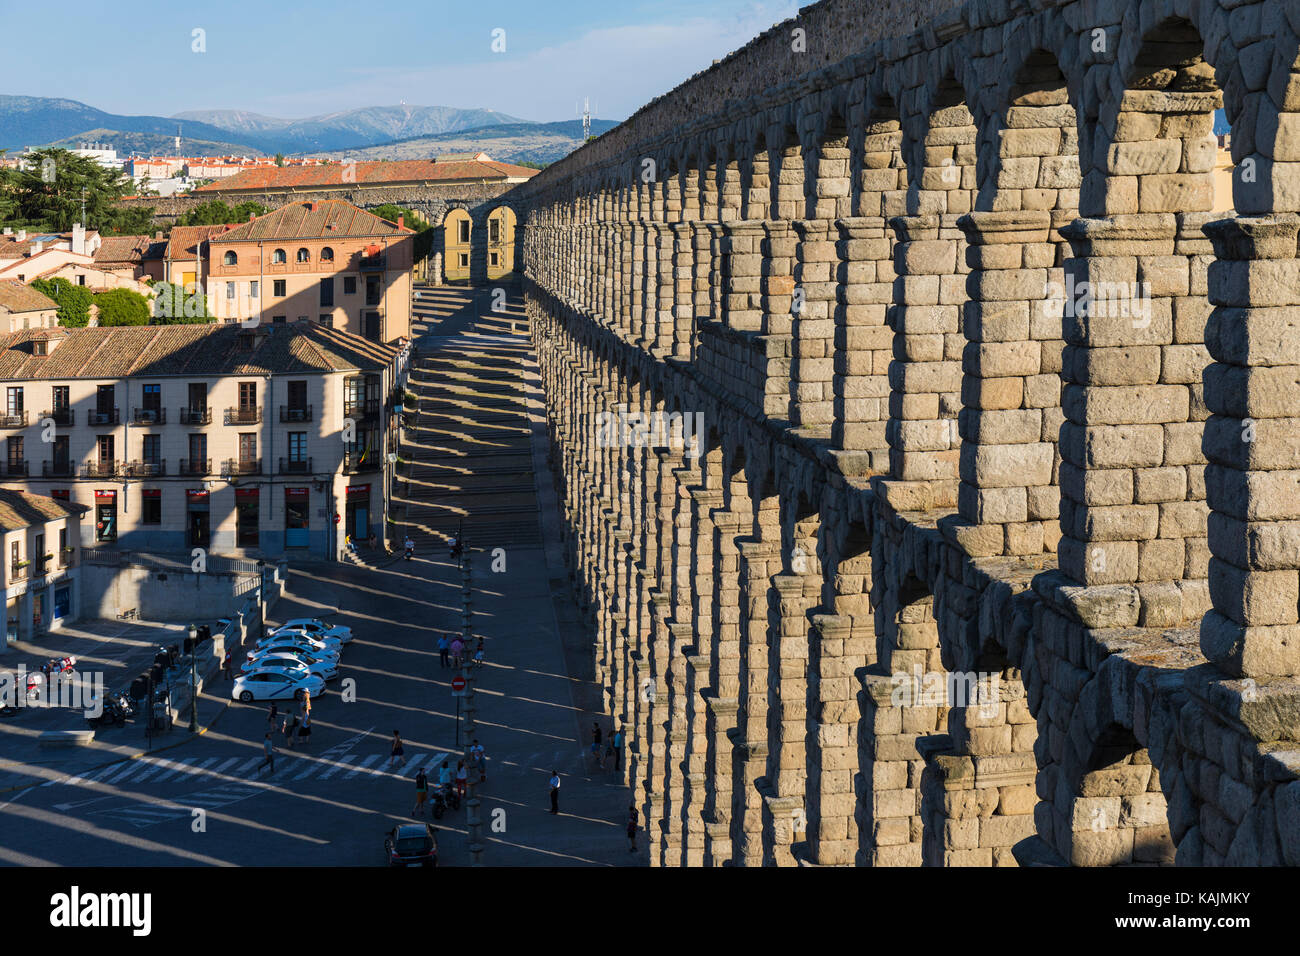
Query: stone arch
[880, 188]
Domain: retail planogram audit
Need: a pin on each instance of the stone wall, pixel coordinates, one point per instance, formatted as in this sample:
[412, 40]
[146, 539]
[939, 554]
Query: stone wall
[963, 530]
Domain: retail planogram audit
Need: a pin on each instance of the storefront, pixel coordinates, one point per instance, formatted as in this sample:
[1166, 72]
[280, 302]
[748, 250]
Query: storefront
[358, 512]
[198, 517]
[246, 517]
[105, 515]
[297, 517]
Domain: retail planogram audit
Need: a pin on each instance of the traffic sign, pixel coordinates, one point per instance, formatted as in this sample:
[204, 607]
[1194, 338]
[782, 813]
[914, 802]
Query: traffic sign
[458, 687]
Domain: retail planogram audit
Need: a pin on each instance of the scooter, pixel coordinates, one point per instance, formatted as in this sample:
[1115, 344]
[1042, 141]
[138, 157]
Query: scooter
[439, 802]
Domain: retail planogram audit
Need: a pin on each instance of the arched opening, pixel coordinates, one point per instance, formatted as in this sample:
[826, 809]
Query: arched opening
[230, 259]
[457, 234]
[500, 243]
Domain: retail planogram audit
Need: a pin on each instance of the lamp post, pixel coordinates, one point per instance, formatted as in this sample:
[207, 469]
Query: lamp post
[261, 599]
[194, 684]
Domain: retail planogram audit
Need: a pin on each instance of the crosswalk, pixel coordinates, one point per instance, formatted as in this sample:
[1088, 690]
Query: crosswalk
[288, 767]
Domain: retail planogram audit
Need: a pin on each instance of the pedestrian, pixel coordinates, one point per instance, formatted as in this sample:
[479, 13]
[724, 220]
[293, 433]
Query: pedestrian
[304, 728]
[421, 792]
[444, 775]
[457, 652]
[268, 747]
[443, 659]
[272, 716]
[595, 741]
[479, 760]
[410, 547]
[462, 778]
[609, 753]
[618, 750]
[555, 791]
[633, 824]
[478, 654]
[225, 667]
[291, 728]
[398, 755]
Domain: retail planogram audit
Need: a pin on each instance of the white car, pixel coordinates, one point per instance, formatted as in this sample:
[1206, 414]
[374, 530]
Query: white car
[273, 684]
[318, 629]
[290, 640]
[326, 668]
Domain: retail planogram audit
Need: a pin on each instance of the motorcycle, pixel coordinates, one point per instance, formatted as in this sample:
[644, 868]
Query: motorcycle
[112, 713]
[438, 802]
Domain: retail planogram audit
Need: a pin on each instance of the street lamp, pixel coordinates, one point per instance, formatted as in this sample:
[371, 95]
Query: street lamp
[194, 687]
[261, 598]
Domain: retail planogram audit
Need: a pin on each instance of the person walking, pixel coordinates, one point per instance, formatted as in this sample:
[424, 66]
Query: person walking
[272, 717]
[462, 778]
[633, 824]
[398, 756]
[225, 667]
[268, 747]
[555, 791]
[421, 792]
[410, 547]
[443, 658]
[444, 777]
[457, 652]
[595, 744]
[478, 654]
[618, 750]
[304, 728]
[478, 760]
[291, 728]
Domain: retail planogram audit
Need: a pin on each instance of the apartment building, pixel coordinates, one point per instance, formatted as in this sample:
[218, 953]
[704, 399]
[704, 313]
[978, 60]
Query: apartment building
[22, 307]
[327, 262]
[266, 441]
[39, 536]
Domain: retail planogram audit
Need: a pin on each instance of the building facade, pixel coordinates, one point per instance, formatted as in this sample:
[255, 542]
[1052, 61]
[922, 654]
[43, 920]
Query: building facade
[40, 537]
[237, 441]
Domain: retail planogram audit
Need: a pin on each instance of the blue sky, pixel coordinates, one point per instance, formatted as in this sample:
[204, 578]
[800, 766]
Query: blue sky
[307, 58]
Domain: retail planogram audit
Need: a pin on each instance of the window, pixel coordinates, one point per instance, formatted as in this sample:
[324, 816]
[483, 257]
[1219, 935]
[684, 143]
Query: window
[60, 453]
[464, 230]
[81, 279]
[372, 290]
[297, 446]
[230, 259]
[464, 260]
[327, 321]
[247, 446]
[198, 392]
[152, 450]
[494, 258]
[349, 285]
[304, 255]
[151, 509]
[278, 287]
[153, 397]
[327, 293]
[198, 454]
[105, 395]
[247, 396]
[297, 394]
[252, 289]
[494, 230]
[278, 257]
[15, 451]
[327, 254]
[230, 290]
[104, 445]
[14, 401]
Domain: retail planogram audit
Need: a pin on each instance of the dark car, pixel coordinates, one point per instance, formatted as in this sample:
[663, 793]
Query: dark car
[411, 844]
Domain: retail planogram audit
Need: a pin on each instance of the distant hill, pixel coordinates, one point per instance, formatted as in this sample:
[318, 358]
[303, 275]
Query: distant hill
[152, 144]
[37, 120]
[347, 129]
[508, 142]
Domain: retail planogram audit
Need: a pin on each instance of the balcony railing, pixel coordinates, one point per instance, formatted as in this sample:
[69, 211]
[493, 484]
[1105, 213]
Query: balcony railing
[67, 557]
[149, 416]
[195, 467]
[57, 469]
[244, 416]
[95, 416]
[196, 416]
[295, 466]
[242, 466]
[373, 263]
[361, 460]
[290, 413]
[40, 566]
[18, 570]
[60, 416]
[146, 469]
[14, 468]
[365, 408]
[102, 469]
[16, 420]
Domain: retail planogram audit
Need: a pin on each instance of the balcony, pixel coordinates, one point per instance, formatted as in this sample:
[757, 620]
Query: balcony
[196, 416]
[102, 416]
[40, 566]
[295, 466]
[60, 416]
[149, 416]
[373, 263]
[289, 413]
[146, 469]
[18, 570]
[102, 469]
[354, 461]
[244, 416]
[14, 468]
[195, 467]
[241, 466]
[365, 408]
[67, 557]
[59, 468]
[16, 420]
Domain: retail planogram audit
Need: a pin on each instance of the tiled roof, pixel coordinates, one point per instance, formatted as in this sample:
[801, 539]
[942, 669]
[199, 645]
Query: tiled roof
[22, 509]
[184, 240]
[267, 178]
[120, 251]
[17, 296]
[11, 247]
[312, 220]
[210, 349]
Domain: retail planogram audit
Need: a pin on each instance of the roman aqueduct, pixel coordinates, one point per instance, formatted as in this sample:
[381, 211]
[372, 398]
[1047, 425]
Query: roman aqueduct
[940, 558]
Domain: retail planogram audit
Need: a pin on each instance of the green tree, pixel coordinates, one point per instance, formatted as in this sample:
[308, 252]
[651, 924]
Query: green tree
[73, 300]
[413, 220]
[214, 212]
[122, 307]
[49, 190]
[279, 159]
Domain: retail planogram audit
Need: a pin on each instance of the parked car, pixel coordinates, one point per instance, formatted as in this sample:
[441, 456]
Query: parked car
[302, 642]
[271, 684]
[412, 843]
[326, 668]
[318, 629]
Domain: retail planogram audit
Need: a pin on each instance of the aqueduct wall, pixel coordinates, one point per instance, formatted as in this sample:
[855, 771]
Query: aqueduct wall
[972, 564]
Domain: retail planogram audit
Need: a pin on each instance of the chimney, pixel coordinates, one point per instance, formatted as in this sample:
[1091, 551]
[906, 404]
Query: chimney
[78, 239]
[401, 221]
[9, 230]
[158, 234]
[251, 217]
[36, 248]
[22, 235]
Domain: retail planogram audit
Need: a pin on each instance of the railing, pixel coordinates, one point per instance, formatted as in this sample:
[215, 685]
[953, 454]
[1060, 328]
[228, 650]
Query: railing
[95, 416]
[366, 408]
[244, 416]
[289, 413]
[40, 566]
[180, 562]
[146, 469]
[102, 469]
[295, 466]
[18, 570]
[242, 466]
[361, 461]
[196, 416]
[16, 420]
[67, 557]
[195, 467]
[60, 416]
[149, 416]
[16, 468]
[57, 469]
[373, 263]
